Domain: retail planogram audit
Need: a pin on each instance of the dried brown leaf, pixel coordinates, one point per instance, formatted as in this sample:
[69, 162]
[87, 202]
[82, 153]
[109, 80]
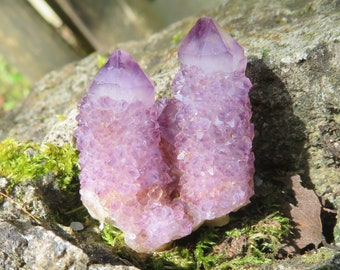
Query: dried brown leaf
[306, 215]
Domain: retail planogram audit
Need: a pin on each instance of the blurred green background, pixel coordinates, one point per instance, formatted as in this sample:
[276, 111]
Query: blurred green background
[14, 87]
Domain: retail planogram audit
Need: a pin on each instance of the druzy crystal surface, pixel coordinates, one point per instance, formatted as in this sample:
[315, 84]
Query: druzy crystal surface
[159, 170]
[207, 124]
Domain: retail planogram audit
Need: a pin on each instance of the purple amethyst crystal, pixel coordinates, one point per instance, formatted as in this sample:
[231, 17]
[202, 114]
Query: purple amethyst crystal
[207, 124]
[158, 175]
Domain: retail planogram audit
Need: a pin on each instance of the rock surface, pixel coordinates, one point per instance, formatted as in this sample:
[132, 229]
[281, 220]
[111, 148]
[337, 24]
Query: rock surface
[293, 53]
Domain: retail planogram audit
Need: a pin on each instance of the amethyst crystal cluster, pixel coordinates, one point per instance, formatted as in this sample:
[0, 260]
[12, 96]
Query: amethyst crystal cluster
[158, 170]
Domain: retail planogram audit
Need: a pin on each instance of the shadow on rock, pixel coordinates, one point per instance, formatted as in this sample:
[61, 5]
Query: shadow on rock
[279, 134]
[279, 145]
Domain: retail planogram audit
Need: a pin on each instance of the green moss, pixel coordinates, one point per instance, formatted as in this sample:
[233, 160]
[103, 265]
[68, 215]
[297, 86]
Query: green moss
[212, 248]
[176, 258]
[101, 60]
[20, 161]
[203, 252]
[263, 240]
[265, 53]
[113, 236]
[177, 38]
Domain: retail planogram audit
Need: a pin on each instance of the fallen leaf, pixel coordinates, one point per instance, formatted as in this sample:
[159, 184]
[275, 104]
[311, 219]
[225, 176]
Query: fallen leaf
[306, 215]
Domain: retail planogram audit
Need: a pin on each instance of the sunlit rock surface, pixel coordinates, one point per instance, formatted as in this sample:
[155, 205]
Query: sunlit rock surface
[158, 172]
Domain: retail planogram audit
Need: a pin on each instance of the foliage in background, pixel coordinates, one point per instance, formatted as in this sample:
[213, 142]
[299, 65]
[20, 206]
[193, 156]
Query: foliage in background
[20, 161]
[14, 87]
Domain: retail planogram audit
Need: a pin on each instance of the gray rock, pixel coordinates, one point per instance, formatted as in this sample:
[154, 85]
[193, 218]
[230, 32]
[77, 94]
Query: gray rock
[24, 196]
[77, 226]
[324, 258]
[293, 51]
[24, 246]
[13, 244]
[45, 250]
[30, 238]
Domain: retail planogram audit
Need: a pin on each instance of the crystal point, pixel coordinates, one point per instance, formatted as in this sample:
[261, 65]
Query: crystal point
[209, 47]
[120, 78]
[207, 123]
[124, 180]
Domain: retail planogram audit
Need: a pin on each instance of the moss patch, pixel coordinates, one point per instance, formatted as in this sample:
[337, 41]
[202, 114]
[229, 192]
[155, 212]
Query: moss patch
[212, 248]
[177, 38]
[31, 160]
[101, 60]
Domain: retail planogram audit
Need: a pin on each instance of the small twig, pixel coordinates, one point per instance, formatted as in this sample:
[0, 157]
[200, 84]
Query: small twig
[21, 207]
[74, 210]
[333, 211]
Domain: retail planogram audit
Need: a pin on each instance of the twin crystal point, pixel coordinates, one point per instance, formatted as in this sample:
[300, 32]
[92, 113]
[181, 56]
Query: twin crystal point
[158, 175]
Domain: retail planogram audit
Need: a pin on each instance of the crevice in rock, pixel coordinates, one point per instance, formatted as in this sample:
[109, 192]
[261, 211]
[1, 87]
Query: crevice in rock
[328, 219]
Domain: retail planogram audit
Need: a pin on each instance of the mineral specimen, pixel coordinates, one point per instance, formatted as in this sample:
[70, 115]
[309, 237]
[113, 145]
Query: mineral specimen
[207, 124]
[158, 172]
[124, 179]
